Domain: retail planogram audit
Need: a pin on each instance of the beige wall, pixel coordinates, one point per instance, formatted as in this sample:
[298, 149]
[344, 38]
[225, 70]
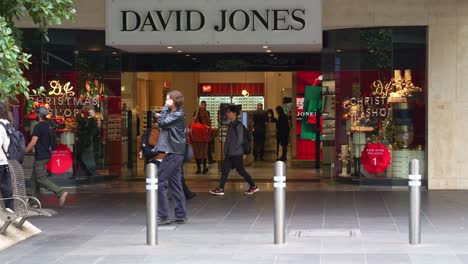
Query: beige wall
[275, 82]
[447, 23]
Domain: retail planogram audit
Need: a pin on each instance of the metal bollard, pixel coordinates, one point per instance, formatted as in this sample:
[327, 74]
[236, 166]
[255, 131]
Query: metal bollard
[151, 172]
[414, 203]
[280, 202]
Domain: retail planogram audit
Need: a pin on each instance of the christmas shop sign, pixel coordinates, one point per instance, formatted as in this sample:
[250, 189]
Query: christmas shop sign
[62, 99]
[371, 106]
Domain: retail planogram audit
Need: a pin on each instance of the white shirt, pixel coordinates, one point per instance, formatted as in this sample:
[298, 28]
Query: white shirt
[4, 142]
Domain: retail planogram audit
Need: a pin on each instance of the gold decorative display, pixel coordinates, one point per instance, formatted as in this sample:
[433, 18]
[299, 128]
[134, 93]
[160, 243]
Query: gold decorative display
[398, 88]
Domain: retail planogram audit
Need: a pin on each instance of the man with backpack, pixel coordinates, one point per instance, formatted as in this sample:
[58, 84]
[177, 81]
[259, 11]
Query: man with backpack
[43, 141]
[149, 152]
[234, 148]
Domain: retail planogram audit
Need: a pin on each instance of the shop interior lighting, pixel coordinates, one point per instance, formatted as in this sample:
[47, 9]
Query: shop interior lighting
[265, 47]
[268, 51]
[338, 50]
[170, 47]
[179, 51]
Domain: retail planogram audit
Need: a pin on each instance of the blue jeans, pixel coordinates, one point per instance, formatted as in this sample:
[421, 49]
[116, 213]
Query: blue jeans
[170, 178]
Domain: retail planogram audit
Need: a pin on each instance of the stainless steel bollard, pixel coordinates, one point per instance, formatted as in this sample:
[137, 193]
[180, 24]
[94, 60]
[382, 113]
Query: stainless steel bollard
[280, 202]
[151, 172]
[414, 203]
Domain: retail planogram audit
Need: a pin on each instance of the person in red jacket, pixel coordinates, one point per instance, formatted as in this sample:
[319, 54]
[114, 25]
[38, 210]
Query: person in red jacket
[200, 135]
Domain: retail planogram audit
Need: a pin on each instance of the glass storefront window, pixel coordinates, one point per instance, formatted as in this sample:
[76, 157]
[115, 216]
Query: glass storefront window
[378, 78]
[81, 78]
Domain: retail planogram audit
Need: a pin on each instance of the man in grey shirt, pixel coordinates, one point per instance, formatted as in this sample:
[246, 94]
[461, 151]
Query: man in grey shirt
[233, 153]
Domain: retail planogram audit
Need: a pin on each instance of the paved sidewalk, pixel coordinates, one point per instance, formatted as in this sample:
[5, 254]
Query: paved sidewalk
[110, 228]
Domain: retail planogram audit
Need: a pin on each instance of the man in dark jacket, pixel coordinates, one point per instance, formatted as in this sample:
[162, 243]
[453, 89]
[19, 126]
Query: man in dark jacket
[282, 131]
[172, 141]
[259, 131]
[233, 153]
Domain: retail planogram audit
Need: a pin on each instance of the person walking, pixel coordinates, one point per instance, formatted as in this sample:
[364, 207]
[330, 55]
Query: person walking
[42, 143]
[259, 129]
[282, 132]
[172, 141]
[200, 135]
[233, 153]
[6, 187]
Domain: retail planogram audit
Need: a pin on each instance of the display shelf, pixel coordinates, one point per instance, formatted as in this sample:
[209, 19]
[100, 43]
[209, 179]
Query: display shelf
[114, 127]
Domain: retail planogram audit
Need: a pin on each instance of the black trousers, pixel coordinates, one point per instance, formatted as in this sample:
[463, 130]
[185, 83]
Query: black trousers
[259, 146]
[234, 162]
[5, 186]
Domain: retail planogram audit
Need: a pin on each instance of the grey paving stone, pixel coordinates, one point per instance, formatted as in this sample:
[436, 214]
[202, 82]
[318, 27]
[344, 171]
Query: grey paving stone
[434, 258]
[388, 259]
[80, 259]
[342, 258]
[463, 258]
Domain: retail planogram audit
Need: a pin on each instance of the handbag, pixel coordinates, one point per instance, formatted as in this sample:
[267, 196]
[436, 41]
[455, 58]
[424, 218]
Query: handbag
[188, 155]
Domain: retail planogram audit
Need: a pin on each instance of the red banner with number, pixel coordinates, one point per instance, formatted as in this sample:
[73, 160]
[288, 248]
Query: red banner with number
[375, 158]
[61, 160]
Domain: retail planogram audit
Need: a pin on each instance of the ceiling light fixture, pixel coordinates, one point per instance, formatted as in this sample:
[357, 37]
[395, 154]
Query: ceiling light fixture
[169, 47]
[268, 51]
[179, 51]
[265, 47]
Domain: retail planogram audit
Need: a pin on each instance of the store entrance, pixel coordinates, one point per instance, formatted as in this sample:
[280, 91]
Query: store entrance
[297, 93]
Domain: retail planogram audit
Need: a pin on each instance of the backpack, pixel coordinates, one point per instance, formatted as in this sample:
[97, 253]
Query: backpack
[52, 137]
[146, 148]
[17, 144]
[246, 140]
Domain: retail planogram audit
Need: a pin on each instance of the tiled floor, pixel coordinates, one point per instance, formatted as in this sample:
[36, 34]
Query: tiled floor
[106, 224]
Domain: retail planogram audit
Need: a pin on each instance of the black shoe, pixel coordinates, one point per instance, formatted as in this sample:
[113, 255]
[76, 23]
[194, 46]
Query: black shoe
[179, 221]
[163, 222]
[191, 196]
[211, 161]
[198, 172]
[205, 170]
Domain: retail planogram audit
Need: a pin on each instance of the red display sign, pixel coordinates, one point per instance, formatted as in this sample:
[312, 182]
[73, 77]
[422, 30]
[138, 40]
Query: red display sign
[206, 88]
[61, 160]
[375, 158]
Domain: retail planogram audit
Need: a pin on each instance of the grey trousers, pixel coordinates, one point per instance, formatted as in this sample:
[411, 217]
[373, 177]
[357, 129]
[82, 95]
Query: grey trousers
[169, 179]
[39, 179]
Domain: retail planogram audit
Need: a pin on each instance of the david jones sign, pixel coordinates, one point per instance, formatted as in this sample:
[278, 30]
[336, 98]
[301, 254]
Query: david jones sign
[214, 22]
[194, 20]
